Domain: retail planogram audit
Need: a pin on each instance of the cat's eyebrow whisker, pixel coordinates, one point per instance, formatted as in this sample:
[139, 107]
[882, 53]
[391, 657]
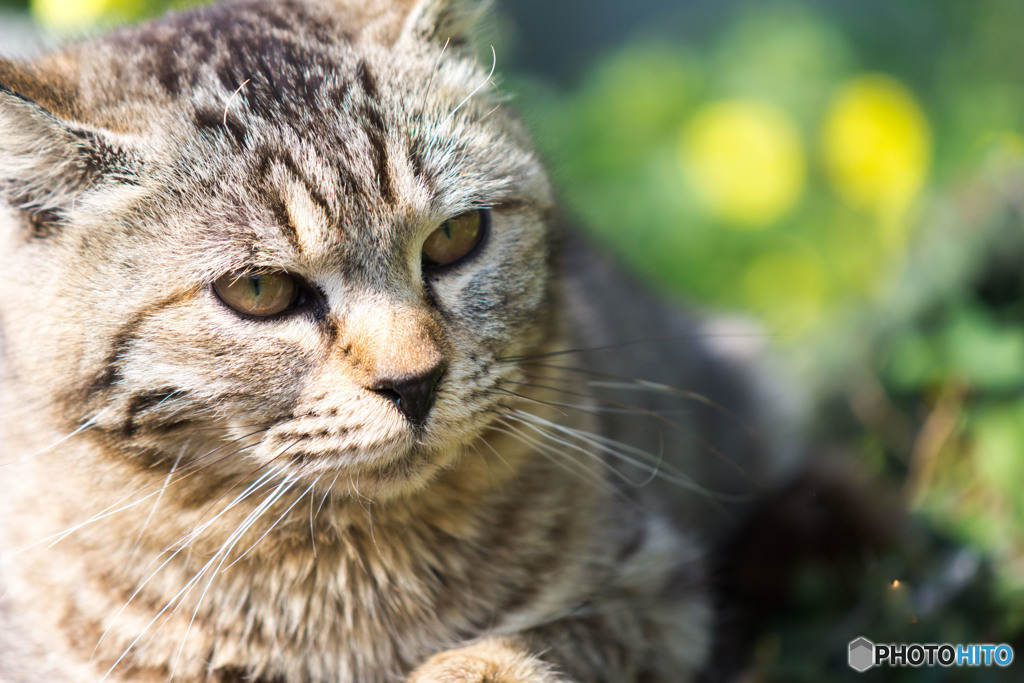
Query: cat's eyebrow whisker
[487, 79]
[451, 115]
[235, 94]
[497, 91]
[433, 72]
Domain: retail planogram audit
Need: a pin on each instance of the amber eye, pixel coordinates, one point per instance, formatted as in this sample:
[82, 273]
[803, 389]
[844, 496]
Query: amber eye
[258, 294]
[455, 239]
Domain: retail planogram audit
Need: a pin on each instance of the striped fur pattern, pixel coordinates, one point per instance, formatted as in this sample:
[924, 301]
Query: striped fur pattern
[187, 494]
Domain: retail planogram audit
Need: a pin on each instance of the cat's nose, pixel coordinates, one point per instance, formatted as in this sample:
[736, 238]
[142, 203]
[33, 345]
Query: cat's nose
[412, 395]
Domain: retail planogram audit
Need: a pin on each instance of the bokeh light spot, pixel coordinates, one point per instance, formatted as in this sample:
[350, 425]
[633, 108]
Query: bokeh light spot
[877, 145]
[746, 161]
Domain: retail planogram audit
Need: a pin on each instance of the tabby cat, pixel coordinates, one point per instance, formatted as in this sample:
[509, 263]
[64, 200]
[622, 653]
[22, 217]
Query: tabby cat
[292, 388]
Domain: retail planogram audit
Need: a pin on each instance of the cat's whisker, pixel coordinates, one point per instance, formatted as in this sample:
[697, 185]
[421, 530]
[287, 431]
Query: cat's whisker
[179, 546]
[522, 358]
[607, 410]
[541, 427]
[514, 430]
[229, 545]
[639, 384]
[156, 503]
[697, 438]
[312, 531]
[529, 399]
[589, 408]
[238, 480]
[496, 453]
[88, 424]
[270, 337]
[196, 465]
[274, 524]
[194, 533]
[330, 489]
[630, 454]
[197, 529]
[561, 459]
[53, 539]
[117, 506]
[359, 497]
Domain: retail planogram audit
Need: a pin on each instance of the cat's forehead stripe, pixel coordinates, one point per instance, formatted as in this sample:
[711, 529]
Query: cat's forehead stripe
[375, 131]
[309, 221]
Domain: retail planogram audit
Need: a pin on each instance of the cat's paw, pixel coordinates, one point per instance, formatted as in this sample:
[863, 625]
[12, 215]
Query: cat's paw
[489, 661]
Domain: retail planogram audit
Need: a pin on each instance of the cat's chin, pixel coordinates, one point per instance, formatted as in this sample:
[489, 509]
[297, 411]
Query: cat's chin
[399, 479]
[382, 471]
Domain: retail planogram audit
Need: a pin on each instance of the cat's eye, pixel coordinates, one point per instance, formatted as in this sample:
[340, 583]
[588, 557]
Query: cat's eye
[258, 294]
[455, 239]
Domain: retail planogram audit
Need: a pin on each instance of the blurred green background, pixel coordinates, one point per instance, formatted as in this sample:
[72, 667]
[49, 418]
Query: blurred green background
[847, 174]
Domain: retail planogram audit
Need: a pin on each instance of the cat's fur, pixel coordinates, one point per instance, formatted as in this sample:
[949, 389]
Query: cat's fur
[189, 494]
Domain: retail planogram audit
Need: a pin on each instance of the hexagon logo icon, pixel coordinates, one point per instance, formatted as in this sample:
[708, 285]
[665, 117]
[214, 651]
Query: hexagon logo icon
[862, 654]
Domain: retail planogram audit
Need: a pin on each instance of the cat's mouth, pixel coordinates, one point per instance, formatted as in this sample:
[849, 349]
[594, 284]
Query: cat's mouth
[380, 456]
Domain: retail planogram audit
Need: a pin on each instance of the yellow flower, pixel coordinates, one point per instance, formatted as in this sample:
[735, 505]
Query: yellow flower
[74, 15]
[877, 145]
[745, 160]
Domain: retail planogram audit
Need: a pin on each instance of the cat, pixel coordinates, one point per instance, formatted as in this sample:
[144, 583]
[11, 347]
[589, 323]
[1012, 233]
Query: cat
[296, 383]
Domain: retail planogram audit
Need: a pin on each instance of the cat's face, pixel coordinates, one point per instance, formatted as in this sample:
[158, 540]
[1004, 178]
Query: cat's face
[316, 238]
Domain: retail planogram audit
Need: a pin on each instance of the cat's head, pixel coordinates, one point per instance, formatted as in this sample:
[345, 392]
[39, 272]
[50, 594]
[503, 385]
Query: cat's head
[307, 226]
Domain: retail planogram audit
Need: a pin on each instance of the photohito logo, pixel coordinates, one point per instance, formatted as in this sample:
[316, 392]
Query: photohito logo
[863, 654]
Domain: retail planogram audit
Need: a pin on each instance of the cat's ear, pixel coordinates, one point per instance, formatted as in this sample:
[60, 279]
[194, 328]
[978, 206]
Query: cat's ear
[451, 22]
[47, 157]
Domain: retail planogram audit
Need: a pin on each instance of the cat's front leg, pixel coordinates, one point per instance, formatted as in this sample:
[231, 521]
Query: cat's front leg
[491, 660]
